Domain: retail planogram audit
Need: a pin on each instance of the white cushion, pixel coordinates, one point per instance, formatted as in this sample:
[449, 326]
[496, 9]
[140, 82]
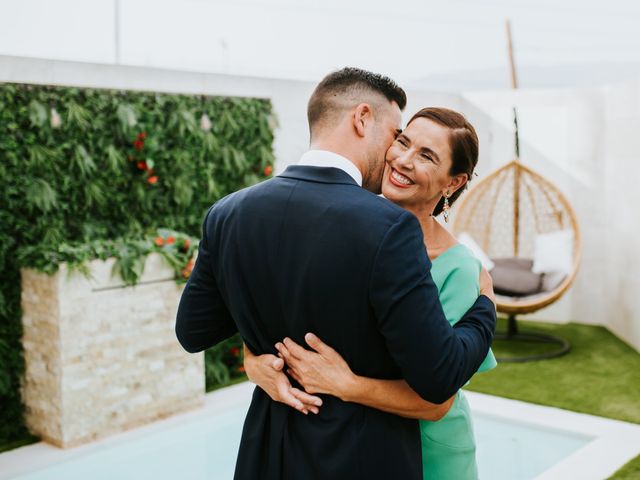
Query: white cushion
[553, 252]
[468, 242]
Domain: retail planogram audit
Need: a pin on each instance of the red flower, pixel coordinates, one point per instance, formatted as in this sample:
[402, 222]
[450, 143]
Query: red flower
[235, 351]
[268, 170]
[186, 271]
[159, 241]
[187, 243]
[142, 165]
[170, 240]
[241, 369]
[138, 144]
[142, 135]
[152, 180]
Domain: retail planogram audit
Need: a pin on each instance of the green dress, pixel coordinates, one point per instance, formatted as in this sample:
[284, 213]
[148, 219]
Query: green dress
[448, 445]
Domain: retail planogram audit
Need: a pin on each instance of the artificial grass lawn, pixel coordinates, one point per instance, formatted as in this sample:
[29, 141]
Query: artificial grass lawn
[631, 471]
[599, 376]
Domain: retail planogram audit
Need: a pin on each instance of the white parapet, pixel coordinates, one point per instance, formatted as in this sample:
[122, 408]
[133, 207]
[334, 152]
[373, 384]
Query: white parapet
[102, 357]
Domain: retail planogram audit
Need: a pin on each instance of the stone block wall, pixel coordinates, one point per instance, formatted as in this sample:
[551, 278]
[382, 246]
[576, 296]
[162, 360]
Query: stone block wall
[102, 357]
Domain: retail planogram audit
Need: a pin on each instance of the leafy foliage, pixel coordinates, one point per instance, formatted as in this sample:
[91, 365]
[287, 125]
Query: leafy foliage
[177, 249]
[90, 173]
[224, 363]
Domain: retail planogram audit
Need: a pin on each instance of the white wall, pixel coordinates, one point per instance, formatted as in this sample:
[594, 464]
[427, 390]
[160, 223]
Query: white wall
[560, 136]
[621, 201]
[303, 39]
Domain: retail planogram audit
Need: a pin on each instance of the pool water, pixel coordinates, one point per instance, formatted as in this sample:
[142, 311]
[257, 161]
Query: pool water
[508, 450]
[206, 447]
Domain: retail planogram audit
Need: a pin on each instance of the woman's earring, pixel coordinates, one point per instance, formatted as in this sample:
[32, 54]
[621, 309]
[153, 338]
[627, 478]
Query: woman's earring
[445, 207]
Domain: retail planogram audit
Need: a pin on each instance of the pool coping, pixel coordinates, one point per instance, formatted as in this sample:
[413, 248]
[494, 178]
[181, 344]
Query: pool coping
[614, 442]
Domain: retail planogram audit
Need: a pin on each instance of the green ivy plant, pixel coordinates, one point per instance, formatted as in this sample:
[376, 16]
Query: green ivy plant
[176, 248]
[87, 173]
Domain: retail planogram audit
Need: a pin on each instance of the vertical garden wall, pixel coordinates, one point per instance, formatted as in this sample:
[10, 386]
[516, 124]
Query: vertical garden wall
[95, 173]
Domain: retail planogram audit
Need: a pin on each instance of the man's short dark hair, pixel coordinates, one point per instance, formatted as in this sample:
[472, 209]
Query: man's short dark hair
[349, 85]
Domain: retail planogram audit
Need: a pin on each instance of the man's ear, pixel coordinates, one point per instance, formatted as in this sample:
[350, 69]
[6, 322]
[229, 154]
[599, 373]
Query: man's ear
[362, 117]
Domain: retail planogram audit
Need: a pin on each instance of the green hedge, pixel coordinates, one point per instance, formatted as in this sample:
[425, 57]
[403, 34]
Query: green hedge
[82, 167]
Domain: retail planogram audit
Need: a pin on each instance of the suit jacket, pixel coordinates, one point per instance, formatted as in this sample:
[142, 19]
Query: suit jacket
[310, 251]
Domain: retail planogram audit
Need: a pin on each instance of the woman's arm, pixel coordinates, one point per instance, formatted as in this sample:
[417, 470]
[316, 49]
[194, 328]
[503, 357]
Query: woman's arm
[325, 371]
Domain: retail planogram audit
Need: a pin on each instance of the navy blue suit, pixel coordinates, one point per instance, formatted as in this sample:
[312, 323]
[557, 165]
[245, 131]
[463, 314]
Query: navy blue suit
[311, 251]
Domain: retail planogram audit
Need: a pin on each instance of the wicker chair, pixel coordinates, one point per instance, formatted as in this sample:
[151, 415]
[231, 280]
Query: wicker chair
[503, 214]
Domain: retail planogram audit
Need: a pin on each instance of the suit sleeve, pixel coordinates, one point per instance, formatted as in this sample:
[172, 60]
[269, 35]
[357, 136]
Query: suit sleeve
[435, 359]
[203, 319]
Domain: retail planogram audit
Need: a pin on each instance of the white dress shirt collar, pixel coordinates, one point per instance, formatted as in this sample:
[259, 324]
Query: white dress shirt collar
[324, 158]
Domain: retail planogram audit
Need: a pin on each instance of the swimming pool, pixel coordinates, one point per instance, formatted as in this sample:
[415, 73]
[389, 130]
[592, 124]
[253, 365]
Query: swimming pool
[203, 444]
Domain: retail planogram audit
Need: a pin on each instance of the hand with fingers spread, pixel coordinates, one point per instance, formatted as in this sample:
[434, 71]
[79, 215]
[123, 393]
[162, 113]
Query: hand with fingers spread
[321, 370]
[266, 372]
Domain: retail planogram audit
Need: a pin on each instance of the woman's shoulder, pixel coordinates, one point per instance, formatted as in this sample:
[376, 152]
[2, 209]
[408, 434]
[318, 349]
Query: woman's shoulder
[459, 255]
[465, 254]
[461, 264]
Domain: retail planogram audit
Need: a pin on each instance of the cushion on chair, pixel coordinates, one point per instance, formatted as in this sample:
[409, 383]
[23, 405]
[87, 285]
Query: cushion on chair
[517, 263]
[465, 239]
[552, 280]
[513, 277]
[553, 252]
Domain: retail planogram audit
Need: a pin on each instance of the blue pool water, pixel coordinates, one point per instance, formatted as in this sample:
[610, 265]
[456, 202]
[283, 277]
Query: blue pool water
[205, 448]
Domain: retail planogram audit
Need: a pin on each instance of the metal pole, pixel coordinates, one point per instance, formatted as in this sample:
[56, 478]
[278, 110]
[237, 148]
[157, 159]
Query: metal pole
[514, 85]
[514, 78]
[516, 173]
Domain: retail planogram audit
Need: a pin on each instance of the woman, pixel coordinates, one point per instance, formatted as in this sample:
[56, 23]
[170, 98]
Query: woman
[427, 168]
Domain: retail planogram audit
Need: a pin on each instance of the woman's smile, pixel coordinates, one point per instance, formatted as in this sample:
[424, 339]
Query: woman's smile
[399, 180]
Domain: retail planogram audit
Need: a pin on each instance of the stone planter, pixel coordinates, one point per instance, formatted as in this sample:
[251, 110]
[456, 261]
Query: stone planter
[102, 357]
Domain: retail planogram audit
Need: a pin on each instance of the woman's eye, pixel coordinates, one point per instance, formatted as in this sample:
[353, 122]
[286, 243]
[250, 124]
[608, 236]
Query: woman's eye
[426, 157]
[401, 142]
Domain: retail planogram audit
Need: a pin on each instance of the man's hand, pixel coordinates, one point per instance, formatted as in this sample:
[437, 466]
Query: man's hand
[321, 370]
[266, 372]
[486, 285]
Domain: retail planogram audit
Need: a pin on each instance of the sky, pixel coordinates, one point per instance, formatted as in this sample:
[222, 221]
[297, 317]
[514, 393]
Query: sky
[415, 41]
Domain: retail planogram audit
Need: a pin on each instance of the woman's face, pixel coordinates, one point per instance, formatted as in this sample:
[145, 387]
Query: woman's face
[418, 165]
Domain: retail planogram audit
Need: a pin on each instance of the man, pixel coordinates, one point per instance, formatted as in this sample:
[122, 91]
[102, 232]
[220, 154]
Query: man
[311, 251]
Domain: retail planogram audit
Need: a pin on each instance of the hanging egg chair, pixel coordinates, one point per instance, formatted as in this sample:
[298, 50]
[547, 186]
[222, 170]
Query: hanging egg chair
[520, 219]
[515, 216]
